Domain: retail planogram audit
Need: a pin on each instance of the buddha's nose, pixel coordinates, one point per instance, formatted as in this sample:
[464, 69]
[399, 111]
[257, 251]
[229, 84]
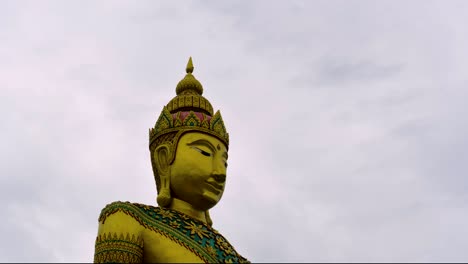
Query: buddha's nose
[219, 171]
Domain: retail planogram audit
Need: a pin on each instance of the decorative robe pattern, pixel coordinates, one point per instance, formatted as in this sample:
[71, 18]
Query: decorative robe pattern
[202, 240]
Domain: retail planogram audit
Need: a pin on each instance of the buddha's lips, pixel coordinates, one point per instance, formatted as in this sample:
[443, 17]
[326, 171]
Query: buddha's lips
[218, 188]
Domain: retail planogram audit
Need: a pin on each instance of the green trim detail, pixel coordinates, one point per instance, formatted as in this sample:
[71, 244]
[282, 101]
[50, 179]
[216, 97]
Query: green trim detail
[196, 236]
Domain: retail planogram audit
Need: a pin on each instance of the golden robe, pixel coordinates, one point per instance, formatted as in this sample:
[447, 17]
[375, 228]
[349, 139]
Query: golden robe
[135, 233]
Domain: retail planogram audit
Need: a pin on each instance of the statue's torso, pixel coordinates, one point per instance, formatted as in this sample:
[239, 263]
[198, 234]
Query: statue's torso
[131, 232]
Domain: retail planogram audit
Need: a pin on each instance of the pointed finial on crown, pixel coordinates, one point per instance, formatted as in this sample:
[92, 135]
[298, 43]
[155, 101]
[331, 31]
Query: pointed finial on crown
[189, 85]
[189, 68]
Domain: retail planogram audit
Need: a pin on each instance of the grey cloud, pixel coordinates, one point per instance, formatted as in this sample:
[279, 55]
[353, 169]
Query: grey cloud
[334, 71]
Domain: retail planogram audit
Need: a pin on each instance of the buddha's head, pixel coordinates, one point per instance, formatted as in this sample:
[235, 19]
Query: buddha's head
[188, 147]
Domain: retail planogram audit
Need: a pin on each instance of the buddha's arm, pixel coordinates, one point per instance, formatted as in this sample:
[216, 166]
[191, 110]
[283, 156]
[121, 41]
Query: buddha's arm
[119, 240]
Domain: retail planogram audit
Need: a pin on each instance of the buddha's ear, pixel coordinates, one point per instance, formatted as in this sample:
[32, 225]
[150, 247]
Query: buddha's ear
[161, 156]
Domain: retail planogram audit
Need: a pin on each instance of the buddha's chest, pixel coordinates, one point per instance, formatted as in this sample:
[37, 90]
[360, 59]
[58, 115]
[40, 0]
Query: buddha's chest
[169, 236]
[171, 244]
[158, 248]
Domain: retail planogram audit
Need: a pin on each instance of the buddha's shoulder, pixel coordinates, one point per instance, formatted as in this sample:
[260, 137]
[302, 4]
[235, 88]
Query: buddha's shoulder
[133, 210]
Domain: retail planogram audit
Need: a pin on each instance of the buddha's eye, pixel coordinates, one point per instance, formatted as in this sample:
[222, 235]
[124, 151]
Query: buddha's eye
[202, 152]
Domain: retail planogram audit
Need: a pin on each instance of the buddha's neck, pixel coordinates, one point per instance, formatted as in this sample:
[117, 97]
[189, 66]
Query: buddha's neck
[188, 209]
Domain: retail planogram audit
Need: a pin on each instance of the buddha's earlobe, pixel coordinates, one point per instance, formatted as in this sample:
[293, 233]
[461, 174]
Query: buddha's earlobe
[161, 156]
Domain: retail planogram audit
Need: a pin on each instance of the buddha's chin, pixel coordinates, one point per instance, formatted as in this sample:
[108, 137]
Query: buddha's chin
[209, 200]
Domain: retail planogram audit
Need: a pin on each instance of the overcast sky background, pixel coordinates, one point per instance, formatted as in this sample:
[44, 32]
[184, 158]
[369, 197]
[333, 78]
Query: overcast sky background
[347, 122]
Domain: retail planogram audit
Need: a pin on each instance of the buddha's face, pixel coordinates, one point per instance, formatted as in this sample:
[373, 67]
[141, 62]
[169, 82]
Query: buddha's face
[198, 173]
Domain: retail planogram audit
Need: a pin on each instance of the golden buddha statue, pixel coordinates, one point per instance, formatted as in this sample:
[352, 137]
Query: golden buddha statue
[189, 152]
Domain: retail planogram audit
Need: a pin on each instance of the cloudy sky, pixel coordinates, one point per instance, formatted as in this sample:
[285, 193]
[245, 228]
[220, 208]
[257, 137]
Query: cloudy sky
[347, 121]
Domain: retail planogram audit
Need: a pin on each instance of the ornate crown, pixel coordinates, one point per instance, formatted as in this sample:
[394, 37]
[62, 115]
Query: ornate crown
[189, 110]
